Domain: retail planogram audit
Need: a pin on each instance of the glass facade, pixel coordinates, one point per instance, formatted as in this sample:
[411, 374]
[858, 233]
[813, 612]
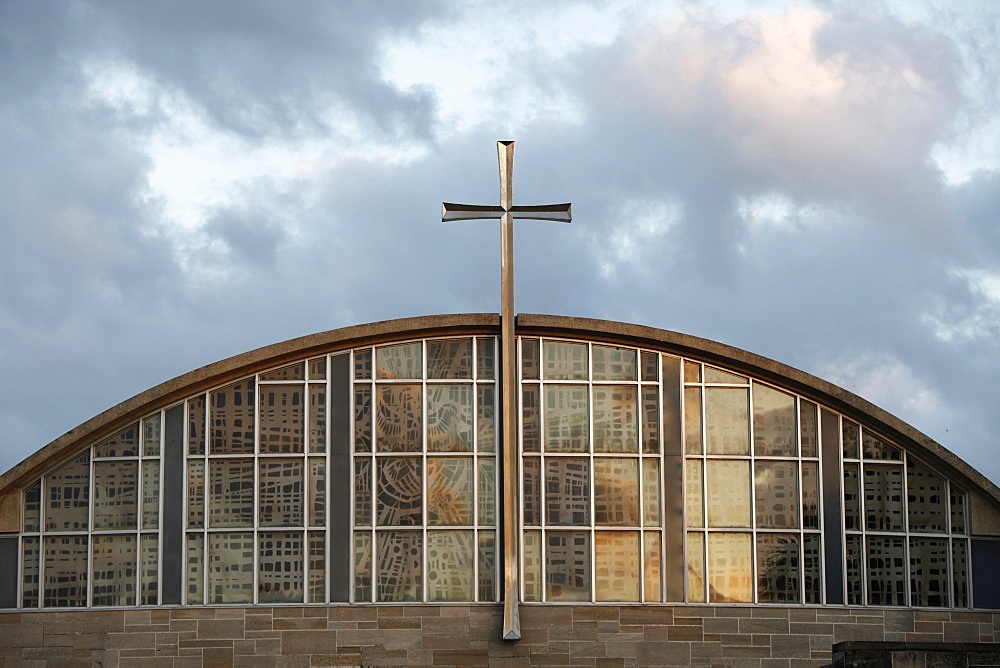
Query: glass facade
[371, 475]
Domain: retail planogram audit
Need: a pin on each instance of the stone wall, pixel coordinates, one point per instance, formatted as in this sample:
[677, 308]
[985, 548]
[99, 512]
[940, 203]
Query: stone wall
[467, 635]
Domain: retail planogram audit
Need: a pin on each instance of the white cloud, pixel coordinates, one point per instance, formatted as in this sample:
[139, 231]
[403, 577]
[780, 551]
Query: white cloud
[636, 241]
[976, 318]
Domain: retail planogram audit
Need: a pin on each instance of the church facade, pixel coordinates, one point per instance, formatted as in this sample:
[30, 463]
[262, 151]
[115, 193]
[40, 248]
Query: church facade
[339, 499]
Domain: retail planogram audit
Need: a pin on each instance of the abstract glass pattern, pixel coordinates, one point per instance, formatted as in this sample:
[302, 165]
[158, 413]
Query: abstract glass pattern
[616, 419]
[280, 499]
[778, 572]
[885, 570]
[613, 363]
[926, 492]
[730, 568]
[728, 493]
[616, 492]
[449, 418]
[929, 572]
[231, 493]
[67, 506]
[404, 361]
[282, 417]
[123, 444]
[116, 495]
[399, 418]
[564, 360]
[567, 566]
[449, 491]
[883, 497]
[232, 419]
[230, 568]
[567, 418]
[727, 421]
[280, 568]
[400, 566]
[777, 494]
[449, 358]
[114, 570]
[616, 565]
[773, 422]
[450, 566]
[567, 491]
[65, 569]
[399, 496]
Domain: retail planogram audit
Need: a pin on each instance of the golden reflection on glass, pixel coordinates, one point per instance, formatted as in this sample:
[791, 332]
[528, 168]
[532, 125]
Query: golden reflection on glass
[116, 494]
[616, 491]
[564, 361]
[486, 361]
[616, 418]
[613, 363]
[232, 419]
[449, 358]
[650, 492]
[317, 418]
[651, 567]
[123, 444]
[777, 494]
[730, 568]
[399, 418]
[773, 422]
[449, 491]
[692, 420]
[67, 491]
[281, 418]
[399, 492]
[279, 567]
[713, 375]
[696, 567]
[883, 497]
[403, 361]
[362, 567]
[450, 566]
[486, 408]
[151, 436]
[114, 570]
[693, 497]
[929, 572]
[291, 372]
[692, 372]
[778, 568]
[616, 565]
[567, 491]
[567, 426]
[567, 566]
[809, 428]
[195, 569]
[727, 420]
[926, 494]
[399, 566]
[728, 493]
[531, 577]
[449, 418]
[230, 568]
[487, 491]
[487, 555]
[317, 567]
[150, 494]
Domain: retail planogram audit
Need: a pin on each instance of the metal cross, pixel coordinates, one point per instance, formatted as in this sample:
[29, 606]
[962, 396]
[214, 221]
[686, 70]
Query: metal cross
[507, 212]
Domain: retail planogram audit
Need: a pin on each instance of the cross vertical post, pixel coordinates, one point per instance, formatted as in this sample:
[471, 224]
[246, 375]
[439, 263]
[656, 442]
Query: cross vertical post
[507, 212]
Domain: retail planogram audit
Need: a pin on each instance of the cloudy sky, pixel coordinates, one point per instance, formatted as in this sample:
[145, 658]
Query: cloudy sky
[814, 182]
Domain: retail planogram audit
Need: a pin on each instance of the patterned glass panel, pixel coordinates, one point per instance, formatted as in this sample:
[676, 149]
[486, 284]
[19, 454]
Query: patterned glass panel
[68, 496]
[362, 418]
[567, 491]
[400, 566]
[875, 448]
[404, 361]
[728, 493]
[151, 428]
[123, 444]
[616, 492]
[810, 428]
[487, 492]
[616, 419]
[195, 569]
[231, 494]
[531, 493]
[449, 358]
[727, 420]
[650, 420]
[531, 578]
[400, 492]
[230, 568]
[450, 566]
[279, 567]
[150, 574]
[650, 365]
[150, 494]
[612, 363]
[116, 493]
[529, 359]
[696, 567]
[855, 570]
[32, 519]
[317, 491]
[810, 495]
[281, 498]
[486, 358]
[196, 425]
[363, 364]
[926, 494]
[929, 572]
[567, 566]
[450, 498]
[362, 566]
[692, 372]
[651, 492]
[883, 497]
[692, 420]
[693, 497]
[233, 419]
[362, 492]
[812, 584]
[196, 494]
[398, 418]
[449, 418]
[959, 573]
[852, 498]
[486, 418]
[317, 368]
[957, 510]
[567, 426]
[317, 567]
[317, 418]
[730, 568]
[30, 556]
[886, 571]
[564, 361]
[487, 566]
[777, 494]
[291, 372]
[773, 422]
[651, 567]
[778, 568]
[281, 418]
[531, 431]
[616, 565]
[713, 375]
[65, 568]
[849, 435]
[114, 570]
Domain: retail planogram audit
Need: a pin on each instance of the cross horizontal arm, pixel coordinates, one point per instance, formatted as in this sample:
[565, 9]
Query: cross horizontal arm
[561, 213]
[451, 211]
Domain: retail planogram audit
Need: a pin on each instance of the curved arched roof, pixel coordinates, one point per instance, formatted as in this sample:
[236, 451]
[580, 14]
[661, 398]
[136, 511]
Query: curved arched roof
[218, 373]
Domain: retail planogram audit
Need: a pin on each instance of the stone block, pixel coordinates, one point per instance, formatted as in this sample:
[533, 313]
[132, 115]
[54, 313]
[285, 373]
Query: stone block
[845, 632]
[961, 632]
[316, 642]
[764, 625]
[665, 654]
[790, 647]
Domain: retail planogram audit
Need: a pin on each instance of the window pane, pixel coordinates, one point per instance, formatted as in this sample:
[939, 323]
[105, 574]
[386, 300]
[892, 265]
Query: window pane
[362, 492]
[727, 420]
[565, 361]
[317, 368]
[363, 364]
[884, 497]
[449, 358]
[567, 491]
[196, 493]
[566, 418]
[852, 498]
[65, 571]
[696, 567]
[450, 491]
[231, 496]
[692, 372]
[150, 494]
[116, 494]
[778, 568]
[531, 430]
[400, 487]
[810, 495]
[68, 496]
[362, 567]
[957, 510]
[486, 358]
[651, 492]
[196, 426]
[886, 572]
[651, 566]
[616, 565]
[317, 418]
[612, 363]
[567, 566]
[728, 493]
[529, 359]
[396, 362]
[290, 372]
[151, 436]
[317, 567]
[650, 365]
[926, 494]
[362, 418]
[486, 418]
[813, 583]
[849, 434]
[398, 418]
[810, 428]
[650, 420]
[616, 419]
[531, 577]
[531, 492]
[450, 566]
[150, 576]
[875, 448]
[730, 568]
[230, 568]
[616, 492]
[32, 520]
[281, 493]
[123, 444]
[233, 419]
[693, 498]
[777, 495]
[114, 570]
[281, 418]
[959, 573]
[773, 422]
[929, 572]
[449, 418]
[487, 566]
[317, 491]
[30, 556]
[692, 420]
[195, 569]
[713, 375]
[855, 570]
[400, 566]
[487, 491]
[279, 567]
